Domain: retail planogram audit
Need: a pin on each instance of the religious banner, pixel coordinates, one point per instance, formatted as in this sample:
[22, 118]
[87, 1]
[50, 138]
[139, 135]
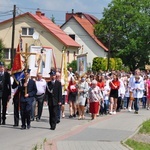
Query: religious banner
[147, 67]
[82, 64]
[64, 71]
[41, 62]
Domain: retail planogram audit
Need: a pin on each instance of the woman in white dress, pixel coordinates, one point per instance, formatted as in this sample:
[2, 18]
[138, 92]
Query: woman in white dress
[82, 95]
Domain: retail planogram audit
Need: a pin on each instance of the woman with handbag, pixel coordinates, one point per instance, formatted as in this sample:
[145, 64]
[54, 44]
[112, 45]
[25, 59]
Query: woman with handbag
[72, 96]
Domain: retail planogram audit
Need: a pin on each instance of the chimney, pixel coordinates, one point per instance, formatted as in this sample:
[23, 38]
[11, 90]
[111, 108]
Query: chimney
[72, 11]
[69, 15]
[79, 14]
[38, 12]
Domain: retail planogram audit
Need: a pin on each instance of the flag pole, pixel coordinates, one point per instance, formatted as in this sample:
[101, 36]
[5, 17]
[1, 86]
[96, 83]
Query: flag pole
[26, 55]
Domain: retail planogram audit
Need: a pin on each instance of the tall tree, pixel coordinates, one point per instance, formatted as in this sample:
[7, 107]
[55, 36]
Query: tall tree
[126, 27]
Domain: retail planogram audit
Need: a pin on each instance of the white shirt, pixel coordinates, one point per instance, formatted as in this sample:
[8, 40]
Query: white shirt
[140, 86]
[132, 81]
[127, 94]
[121, 91]
[41, 86]
[105, 92]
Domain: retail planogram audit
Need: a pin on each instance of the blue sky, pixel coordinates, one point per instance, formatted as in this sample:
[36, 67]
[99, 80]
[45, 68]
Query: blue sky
[57, 8]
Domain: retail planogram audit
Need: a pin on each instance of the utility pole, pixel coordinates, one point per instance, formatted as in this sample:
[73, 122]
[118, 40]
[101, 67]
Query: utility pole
[13, 35]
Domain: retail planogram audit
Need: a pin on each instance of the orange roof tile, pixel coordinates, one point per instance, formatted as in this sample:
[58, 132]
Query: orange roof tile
[87, 25]
[52, 28]
[55, 30]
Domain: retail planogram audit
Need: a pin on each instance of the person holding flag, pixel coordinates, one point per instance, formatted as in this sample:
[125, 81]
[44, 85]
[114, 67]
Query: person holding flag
[17, 74]
[28, 92]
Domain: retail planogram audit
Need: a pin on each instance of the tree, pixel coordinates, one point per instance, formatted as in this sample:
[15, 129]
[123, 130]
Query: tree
[1, 50]
[100, 63]
[128, 24]
[73, 65]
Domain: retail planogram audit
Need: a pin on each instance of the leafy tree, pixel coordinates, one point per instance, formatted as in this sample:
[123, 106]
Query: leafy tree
[97, 64]
[1, 50]
[126, 25]
[73, 65]
[100, 63]
[118, 64]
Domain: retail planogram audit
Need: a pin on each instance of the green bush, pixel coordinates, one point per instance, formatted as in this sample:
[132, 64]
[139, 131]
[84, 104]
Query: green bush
[100, 63]
[73, 65]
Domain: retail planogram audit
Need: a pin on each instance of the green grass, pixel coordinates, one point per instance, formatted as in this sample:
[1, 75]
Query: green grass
[137, 145]
[145, 129]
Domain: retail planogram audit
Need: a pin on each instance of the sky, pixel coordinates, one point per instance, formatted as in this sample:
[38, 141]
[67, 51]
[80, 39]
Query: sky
[56, 8]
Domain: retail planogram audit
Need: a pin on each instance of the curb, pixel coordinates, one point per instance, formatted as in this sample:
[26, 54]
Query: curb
[123, 142]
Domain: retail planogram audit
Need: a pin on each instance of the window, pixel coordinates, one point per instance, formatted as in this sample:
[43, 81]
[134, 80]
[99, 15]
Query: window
[27, 31]
[72, 36]
[7, 53]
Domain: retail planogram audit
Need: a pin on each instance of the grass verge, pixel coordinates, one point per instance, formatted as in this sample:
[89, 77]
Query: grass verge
[135, 145]
[145, 129]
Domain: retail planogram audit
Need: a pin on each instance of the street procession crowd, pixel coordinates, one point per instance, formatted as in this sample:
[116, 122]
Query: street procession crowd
[93, 93]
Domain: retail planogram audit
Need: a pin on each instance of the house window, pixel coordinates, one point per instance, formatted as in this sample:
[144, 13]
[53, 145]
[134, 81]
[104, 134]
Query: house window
[7, 53]
[27, 31]
[72, 36]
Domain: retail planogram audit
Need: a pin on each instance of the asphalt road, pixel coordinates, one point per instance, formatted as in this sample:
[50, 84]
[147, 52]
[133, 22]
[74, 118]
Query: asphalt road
[104, 133]
[13, 138]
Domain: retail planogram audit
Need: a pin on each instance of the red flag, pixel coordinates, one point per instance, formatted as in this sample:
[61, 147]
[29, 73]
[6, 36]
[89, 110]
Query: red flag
[17, 68]
[17, 64]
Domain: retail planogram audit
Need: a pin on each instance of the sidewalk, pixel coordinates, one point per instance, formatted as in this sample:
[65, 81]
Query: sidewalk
[104, 133]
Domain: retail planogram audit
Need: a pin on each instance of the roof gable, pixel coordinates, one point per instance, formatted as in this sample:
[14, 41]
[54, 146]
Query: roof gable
[55, 30]
[51, 27]
[87, 22]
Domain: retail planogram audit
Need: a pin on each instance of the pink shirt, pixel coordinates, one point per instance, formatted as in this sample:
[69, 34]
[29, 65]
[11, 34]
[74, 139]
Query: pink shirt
[148, 88]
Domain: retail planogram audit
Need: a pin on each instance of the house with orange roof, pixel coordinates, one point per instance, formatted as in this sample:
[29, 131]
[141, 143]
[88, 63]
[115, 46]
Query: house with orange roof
[80, 27]
[36, 29]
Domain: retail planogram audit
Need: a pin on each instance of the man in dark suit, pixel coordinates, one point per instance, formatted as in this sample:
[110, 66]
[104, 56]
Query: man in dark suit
[54, 95]
[16, 102]
[28, 91]
[5, 91]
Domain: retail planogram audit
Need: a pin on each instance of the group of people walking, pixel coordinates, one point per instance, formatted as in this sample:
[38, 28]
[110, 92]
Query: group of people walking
[109, 92]
[26, 94]
[101, 93]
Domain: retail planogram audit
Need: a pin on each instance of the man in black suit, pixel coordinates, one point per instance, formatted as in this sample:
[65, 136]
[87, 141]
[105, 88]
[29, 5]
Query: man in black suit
[5, 91]
[54, 95]
[28, 91]
[16, 102]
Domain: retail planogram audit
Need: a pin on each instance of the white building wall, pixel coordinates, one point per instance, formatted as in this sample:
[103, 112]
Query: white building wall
[83, 38]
